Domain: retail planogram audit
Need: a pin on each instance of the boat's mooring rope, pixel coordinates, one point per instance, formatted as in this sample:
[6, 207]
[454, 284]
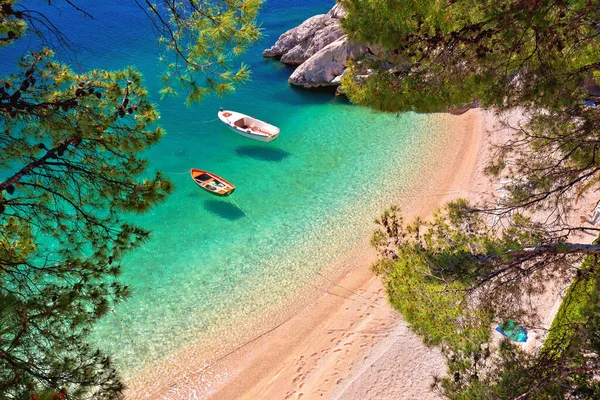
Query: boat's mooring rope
[206, 122]
[242, 210]
[117, 318]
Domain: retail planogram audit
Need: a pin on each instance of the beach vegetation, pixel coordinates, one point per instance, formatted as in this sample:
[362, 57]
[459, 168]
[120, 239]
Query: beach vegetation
[73, 151]
[453, 277]
[574, 311]
[434, 55]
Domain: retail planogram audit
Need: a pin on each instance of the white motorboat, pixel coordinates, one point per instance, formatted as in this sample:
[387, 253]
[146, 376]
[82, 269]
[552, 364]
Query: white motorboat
[249, 127]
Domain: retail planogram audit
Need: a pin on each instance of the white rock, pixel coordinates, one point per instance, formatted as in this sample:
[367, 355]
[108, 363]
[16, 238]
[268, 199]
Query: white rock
[338, 79]
[306, 48]
[319, 46]
[324, 67]
[299, 44]
[337, 12]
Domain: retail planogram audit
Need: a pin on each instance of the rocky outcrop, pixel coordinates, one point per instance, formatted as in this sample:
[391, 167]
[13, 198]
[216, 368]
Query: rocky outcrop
[336, 12]
[326, 67]
[299, 44]
[319, 47]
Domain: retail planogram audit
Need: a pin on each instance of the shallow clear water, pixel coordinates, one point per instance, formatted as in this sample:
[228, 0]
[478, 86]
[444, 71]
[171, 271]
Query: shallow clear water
[303, 199]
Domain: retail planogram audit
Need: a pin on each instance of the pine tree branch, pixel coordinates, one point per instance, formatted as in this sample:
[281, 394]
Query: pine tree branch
[529, 253]
[560, 248]
[560, 373]
[52, 153]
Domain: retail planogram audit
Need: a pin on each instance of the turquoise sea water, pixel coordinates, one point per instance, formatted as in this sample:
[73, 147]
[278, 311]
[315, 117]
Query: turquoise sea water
[303, 199]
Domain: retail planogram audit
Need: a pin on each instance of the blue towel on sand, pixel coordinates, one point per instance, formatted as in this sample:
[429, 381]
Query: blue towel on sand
[513, 331]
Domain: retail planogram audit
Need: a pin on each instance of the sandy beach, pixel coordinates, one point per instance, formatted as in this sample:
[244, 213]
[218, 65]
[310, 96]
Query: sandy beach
[347, 343]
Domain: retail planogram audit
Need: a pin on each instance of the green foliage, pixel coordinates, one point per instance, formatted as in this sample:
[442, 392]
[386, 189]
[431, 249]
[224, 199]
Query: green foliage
[200, 41]
[433, 269]
[433, 308]
[574, 310]
[454, 277]
[563, 368]
[432, 55]
[69, 149]
[573, 341]
[502, 376]
[429, 268]
[538, 56]
[12, 25]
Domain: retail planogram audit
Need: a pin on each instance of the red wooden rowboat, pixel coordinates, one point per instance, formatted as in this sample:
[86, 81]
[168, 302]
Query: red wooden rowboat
[212, 183]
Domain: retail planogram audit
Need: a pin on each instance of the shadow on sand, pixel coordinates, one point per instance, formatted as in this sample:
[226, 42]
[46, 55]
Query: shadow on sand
[262, 153]
[223, 209]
